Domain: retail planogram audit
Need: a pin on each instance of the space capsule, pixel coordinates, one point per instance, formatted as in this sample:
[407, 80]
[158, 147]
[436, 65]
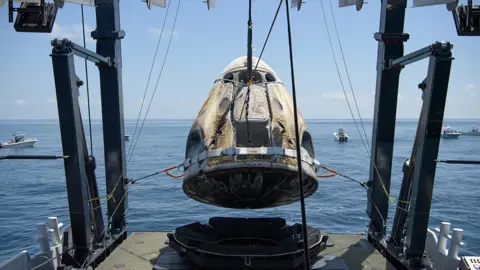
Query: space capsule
[241, 149]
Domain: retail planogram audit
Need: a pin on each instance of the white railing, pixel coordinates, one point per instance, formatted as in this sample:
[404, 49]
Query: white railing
[48, 258]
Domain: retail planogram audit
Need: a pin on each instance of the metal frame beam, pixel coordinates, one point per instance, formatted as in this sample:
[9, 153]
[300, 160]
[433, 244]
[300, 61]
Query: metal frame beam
[108, 35]
[83, 172]
[434, 50]
[412, 57]
[66, 84]
[390, 38]
[89, 55]
[430, 127]
[419, 173]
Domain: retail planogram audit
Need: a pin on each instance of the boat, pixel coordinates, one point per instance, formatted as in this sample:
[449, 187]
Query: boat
[340, 135]
[235, 243]
[471, 132]
[127, 137]
[450, 133]
[19, 141]
[244, 138]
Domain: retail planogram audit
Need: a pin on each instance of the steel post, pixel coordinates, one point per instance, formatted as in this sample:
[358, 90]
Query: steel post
[434, 98]
[108, 35]
[66, 84]
[390, 46]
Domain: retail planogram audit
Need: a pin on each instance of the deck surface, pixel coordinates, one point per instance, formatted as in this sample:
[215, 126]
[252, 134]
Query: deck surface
[142, 250]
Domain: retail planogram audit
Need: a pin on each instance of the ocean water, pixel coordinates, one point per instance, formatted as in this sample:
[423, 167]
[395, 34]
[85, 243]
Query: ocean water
[33, 190]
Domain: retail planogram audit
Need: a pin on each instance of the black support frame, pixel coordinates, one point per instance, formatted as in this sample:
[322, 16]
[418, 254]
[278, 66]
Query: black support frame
[390, 47]
[88, 229]
[108, 36]
[417, 185]
[435, 88]
[66, 84]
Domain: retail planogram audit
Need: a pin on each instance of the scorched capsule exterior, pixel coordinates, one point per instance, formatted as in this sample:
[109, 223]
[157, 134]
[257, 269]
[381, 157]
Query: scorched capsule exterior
[240, 151]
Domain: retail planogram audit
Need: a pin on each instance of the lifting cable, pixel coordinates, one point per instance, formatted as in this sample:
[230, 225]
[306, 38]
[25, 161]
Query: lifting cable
[268, 35]
[363, 184]
[339, 76]
[89, 112]
[297, 139]
[249, 48]
[109, 223]
[134, 180]
[391, 198]
[348, 74]
[149, 76]
[166, 171]
[156, 85]
[86, 81]
[246, 101]
[136, 136]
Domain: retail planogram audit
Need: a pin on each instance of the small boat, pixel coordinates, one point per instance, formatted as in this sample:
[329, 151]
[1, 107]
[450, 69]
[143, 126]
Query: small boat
[472, 132]
[340, 135]
[127, 137]
[19, 141]
[449, 133]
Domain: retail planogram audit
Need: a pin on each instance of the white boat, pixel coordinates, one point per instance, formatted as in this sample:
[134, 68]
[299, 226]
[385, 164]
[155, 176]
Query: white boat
[472, 132]
[19, 141]
[340, 135]
[127, 137]
[449, 133]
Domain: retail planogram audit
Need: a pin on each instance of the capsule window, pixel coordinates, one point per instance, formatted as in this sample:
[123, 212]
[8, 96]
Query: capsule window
[307, 143]
[228, 78]
[269, 77]
[194, 143]
[256, 77]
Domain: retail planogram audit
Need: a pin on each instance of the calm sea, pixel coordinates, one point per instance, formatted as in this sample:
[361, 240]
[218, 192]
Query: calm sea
[31, 191]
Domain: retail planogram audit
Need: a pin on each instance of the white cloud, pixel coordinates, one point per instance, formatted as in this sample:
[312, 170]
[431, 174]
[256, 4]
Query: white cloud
[73, 32]
[400, 97]
[471, 90]
[166, 32]
[334, 96]
[20, 102]
[141, 100]
[52, 100]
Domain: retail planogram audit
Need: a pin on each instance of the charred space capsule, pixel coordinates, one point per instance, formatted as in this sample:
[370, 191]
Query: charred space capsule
[241, 150]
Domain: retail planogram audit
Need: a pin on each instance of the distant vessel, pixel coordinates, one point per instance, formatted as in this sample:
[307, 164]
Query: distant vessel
[340, 135]
[449, 133]
[127, 137]
[472, 132]
[19, 141]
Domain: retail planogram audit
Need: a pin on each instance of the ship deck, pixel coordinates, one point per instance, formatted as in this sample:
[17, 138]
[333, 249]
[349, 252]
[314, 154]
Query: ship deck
[142, 251]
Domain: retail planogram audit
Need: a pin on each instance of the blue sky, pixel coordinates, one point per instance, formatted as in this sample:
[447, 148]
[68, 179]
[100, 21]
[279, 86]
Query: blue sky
[204, 42]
